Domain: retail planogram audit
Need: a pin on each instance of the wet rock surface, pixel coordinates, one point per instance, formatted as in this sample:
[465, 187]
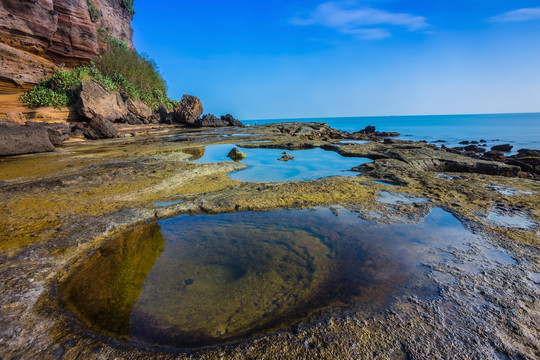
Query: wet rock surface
[59, 209]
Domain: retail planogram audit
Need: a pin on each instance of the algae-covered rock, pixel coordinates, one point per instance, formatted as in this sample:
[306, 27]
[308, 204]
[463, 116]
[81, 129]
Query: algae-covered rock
[286, 157]
[236, 154]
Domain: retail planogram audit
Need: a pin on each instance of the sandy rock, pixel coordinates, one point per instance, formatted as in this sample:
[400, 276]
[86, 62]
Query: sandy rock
[96, 101]
[139, 109]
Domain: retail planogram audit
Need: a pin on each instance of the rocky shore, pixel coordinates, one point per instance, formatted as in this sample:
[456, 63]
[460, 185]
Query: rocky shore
[74, 179]
[102, 114]
[59, 208]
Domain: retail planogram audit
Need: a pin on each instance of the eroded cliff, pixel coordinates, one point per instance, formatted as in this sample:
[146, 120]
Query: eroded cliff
[36, 35]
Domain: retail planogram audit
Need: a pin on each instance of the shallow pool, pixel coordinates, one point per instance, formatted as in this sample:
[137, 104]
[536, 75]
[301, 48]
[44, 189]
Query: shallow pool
[203, 280]
[265, 166]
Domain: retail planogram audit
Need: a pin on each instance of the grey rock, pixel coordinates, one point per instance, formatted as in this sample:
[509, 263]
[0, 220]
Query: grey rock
[16, 140]
[99, 128]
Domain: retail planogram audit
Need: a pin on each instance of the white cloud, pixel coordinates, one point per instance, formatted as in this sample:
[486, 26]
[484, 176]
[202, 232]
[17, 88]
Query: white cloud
[364, 23]
[526, 14]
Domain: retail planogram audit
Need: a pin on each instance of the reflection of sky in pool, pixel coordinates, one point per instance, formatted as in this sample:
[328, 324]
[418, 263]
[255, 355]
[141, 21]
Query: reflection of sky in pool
[265, 166]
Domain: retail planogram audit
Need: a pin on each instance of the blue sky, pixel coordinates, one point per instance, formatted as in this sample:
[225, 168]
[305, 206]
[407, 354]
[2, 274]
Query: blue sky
[283, 59]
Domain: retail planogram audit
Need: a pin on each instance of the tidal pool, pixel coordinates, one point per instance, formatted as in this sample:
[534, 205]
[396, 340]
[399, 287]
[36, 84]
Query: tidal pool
[204, 280]
[265, 166]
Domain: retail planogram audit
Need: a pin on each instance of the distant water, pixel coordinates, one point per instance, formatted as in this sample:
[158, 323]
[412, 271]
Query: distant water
[519, 130]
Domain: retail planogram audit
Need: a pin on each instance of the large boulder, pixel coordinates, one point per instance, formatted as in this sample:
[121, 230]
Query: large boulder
[188, 110]
[15, 140]
[139, 109]
[95, 101]
[99, 128]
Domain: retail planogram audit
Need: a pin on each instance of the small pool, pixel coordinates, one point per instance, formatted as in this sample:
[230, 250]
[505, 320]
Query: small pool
[204, 280]
[265, 166]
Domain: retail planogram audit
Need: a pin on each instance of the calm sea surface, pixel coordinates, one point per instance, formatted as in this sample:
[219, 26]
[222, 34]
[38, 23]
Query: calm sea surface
[519, 130]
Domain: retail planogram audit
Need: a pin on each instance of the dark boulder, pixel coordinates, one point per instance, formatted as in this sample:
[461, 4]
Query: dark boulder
[503, 148]
[165, 116]
[527, 159]
[464, 142]
[371, 132]
[474, 148]
[58, 132]
[16, 140]
[99, 128]
[232, 120]
[188, 110]
[493, 155]
[528, 153]
[368, 130]
[210, 120]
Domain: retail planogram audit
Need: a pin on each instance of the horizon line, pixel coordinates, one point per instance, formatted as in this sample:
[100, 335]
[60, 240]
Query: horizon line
[372, 116]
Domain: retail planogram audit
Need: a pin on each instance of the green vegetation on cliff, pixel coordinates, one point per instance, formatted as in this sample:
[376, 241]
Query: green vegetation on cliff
[118, 69]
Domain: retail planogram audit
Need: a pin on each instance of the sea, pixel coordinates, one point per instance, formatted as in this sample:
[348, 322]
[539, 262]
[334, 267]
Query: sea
[522, 130]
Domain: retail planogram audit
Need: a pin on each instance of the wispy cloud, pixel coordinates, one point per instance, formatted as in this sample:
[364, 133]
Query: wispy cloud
[361, 22]
[526, 14]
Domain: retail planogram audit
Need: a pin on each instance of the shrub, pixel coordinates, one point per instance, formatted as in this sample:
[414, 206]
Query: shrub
[119, 69]
[134, 73]
[128, 4]
[93, 12]
[42, 96]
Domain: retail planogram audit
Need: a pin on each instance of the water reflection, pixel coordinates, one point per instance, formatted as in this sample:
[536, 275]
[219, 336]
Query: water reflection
[103, 292]
[265, 166]
[226, 277]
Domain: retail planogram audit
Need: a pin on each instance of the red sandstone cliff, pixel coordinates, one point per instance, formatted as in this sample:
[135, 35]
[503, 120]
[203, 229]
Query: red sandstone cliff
[36, 35]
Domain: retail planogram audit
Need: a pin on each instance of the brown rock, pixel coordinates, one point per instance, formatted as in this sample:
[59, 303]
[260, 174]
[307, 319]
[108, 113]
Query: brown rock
[139, 109]
[188, 110]
[58, 132]
[15, 140]
[100, 128]
[96, 101]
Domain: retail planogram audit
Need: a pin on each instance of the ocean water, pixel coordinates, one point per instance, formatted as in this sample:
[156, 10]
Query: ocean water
[519, 130]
